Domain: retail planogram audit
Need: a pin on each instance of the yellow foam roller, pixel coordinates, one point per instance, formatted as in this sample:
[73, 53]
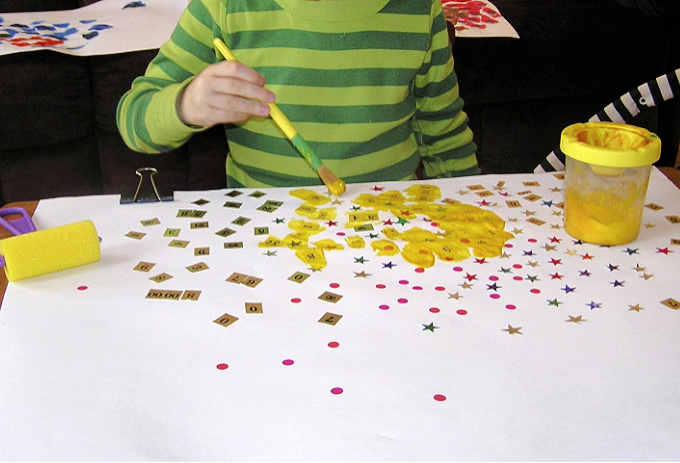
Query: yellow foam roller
[50, 250]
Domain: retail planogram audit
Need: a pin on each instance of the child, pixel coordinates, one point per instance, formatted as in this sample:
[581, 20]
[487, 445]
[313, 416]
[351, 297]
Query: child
[369, 84]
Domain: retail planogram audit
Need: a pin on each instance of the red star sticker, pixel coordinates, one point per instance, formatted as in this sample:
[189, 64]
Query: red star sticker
[332, 223]
[378, 188]
[480, 261]
[406, 213]
[483, 202]
[556, 276]
[387, 222]
[504, 193]
[469, 277]
[555, 239]
[663, 250]
[556, 261]
[586, 256]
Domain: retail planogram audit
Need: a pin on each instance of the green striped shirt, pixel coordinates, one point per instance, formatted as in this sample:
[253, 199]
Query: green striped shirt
[369, 84]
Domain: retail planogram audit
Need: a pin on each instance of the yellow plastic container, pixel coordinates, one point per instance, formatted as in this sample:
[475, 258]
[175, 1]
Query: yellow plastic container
[606, 177]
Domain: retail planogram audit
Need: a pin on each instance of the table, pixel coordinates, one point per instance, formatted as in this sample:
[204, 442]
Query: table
[553, 350]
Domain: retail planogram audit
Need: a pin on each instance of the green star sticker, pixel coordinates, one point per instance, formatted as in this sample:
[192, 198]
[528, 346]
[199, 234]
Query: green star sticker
[554, 302]
[430, 327]
[360, 260]
[532, 278]
[277, 220]
[402, 221]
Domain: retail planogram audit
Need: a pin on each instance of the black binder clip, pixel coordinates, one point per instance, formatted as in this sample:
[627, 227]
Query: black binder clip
[145, 193]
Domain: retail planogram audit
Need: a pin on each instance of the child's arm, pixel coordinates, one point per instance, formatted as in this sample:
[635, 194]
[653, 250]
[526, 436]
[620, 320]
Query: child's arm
[184, 92]
[446, 142]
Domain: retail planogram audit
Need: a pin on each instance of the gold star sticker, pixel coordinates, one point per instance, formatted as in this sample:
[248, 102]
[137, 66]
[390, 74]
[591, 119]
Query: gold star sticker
[646, 276]
[635, 307]
[455, 296]
[650, 225]
[512, 330]
[556, 189]
[336, 201]
[555, 226]
[637, 268]
[577, 319]
[465, 285]
[557, 213]
[532, 264]
[571, 252]
[528, 213]
[514, 219]
[505, 255]
[361, 274]
[547, 247]
[517, 231]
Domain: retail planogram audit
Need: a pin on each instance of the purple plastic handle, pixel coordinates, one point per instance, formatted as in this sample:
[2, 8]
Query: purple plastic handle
[17, 226]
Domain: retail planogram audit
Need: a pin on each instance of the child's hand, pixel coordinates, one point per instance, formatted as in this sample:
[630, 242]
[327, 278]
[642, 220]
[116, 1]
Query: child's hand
[222, 93]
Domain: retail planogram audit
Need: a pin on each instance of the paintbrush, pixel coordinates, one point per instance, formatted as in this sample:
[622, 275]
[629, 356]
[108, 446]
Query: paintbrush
[335, 185]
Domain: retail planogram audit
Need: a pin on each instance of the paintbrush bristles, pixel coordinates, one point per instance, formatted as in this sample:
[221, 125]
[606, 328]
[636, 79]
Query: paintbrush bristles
[335, 185]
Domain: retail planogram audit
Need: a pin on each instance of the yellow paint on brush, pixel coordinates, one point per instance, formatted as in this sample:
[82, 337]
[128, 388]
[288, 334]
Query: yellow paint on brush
[50, 250]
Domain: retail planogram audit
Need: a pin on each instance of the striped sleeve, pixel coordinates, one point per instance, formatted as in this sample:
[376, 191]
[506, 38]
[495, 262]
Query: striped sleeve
[445, 140]
[147, 115]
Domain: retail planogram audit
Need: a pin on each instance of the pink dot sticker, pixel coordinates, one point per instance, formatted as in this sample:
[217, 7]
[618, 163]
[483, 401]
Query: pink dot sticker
[457, 269]
[380, 286]
[419, 270]
[337, 390]
[384, 307]
[439, 288]
[222, 366]
[461, 312]
[288, 362]
[493, 278]
[340, 233]
[82, 288]
[334, 344]
[334, 285]
[517, 278]
[511, 306]
[532, 240]
[296, 300]
[417, 288]
[439, 397]
[517, 266]
[403, 282]
[495, 296]
[402, 300]
[434, 309]
[535, 291]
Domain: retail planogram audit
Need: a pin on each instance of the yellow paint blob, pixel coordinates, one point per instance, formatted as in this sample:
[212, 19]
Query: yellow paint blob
[355, 242]
[418, 254]
[314, 257]
[329, 245]
[385, 248]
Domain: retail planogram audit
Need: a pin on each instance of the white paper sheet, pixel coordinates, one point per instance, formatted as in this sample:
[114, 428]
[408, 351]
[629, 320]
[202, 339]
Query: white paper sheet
[108, 26]
[477, 18]
[92, 370]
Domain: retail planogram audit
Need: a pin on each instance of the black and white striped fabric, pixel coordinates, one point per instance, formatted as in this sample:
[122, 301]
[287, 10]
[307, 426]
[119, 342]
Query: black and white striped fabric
[624, 109]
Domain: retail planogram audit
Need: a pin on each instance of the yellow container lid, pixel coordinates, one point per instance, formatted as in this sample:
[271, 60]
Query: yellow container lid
[611, 144]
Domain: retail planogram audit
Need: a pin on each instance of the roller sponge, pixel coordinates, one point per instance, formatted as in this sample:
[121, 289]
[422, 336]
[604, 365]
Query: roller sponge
[50, 250]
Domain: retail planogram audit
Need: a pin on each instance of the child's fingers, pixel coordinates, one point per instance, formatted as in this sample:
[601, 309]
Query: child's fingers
[235, 78]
